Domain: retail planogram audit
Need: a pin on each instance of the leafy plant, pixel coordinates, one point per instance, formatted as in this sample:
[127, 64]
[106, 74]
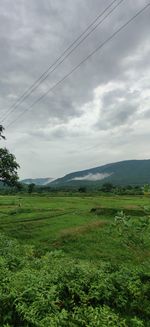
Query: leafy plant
[132, 231]
[56, 291]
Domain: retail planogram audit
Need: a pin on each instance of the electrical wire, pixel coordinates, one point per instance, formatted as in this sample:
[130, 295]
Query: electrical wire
[57, 63]
[83, 61]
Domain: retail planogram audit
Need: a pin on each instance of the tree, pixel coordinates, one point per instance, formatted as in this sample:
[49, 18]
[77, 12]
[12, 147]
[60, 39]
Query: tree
[8, 165]
[146, 189]
[82, 189]
[107, 187]
[1, 131]
[31, 188]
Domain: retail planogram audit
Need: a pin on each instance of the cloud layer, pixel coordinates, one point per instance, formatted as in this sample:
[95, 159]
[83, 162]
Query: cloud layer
[92, 177]
[99, 114]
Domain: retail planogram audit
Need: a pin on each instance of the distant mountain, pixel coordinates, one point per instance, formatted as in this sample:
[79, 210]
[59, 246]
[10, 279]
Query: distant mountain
[37, 181]
[133, 172]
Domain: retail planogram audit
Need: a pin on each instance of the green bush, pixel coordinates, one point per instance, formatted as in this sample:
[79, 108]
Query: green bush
[53, 291]
[132, 231]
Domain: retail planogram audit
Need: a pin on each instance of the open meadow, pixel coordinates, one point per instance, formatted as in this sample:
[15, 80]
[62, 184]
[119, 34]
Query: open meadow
[78, 224]
[74, 260]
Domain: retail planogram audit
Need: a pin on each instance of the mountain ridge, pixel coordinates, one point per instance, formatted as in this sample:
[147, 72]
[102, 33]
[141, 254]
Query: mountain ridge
[136, 172]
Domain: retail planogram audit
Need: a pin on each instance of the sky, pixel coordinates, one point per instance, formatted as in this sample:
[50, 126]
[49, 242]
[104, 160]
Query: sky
[101, 112]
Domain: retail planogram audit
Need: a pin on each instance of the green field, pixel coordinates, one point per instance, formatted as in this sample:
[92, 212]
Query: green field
[68, 223]
[74, 261]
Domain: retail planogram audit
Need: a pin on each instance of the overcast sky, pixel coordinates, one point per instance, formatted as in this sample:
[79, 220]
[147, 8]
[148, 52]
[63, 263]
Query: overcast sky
[101, 113]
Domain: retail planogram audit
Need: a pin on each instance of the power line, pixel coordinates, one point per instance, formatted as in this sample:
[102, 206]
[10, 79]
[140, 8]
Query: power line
[45, 75]
[64, 55]
[84, 60]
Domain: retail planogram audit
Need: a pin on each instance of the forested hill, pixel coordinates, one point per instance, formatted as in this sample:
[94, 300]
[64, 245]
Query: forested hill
[133, 172]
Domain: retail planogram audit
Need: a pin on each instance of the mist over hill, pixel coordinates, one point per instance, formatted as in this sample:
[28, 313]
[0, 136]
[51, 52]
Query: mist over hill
[37, 181]
[134, 172]
[129, 172]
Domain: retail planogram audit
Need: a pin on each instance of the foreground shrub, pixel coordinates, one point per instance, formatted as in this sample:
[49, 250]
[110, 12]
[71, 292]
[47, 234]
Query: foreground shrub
[132, 231]
[53, 291]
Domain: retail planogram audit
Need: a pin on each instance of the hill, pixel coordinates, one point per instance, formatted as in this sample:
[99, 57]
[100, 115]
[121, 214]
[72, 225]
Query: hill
[133, 172]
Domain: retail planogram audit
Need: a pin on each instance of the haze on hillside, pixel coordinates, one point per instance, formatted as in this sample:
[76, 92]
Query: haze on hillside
[129, 172]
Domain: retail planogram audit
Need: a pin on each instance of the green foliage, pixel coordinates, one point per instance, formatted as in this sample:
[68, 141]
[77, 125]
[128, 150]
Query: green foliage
[128, 190]
[110, 286]
[146, 189]
[133, 231]
[8, 167]
[31, 188]
[82, 189]
[107, 187]
[98, 317]
[68, 222]
[54, 291]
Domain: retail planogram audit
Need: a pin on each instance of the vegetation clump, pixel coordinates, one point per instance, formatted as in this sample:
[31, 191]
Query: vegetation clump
[53, 290]
[8, 165]
[63, 264]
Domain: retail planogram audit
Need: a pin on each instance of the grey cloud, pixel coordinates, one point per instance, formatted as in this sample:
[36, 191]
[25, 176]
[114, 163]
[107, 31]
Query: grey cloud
[122, 114]
[41, 28]
[145, 114]
[118, 107]
[119, 95]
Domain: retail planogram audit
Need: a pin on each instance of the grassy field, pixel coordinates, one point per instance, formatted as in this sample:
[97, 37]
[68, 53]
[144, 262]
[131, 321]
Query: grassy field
[68, 223]
[67, 261]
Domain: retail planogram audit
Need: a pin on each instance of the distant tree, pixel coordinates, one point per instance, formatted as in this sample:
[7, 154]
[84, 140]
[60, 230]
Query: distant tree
[31, 188]
[20, 187]
[107, 187]
[146, 189]
[129, 187]
[8, 165]
[137, 187]
[82, 189]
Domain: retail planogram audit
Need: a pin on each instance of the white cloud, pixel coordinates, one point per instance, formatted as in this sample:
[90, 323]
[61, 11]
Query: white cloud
[92, 177]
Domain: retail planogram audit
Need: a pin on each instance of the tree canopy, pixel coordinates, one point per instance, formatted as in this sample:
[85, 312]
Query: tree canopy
[8, 165]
